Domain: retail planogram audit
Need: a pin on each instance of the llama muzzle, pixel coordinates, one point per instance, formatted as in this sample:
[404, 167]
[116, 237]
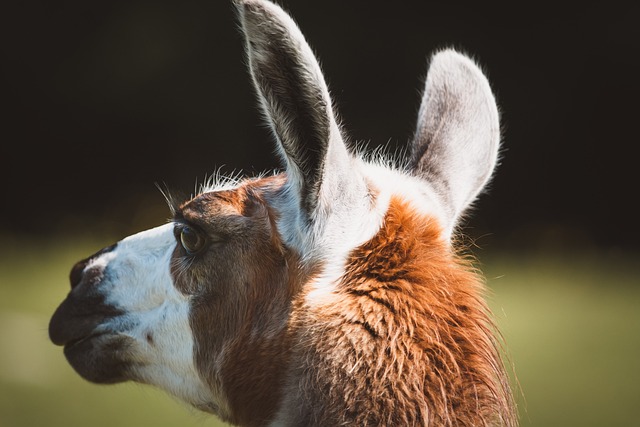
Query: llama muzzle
[80, 322]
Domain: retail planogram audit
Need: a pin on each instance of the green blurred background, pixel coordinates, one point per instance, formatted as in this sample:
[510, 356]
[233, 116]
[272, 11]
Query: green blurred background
[571, 324]
[103, 100]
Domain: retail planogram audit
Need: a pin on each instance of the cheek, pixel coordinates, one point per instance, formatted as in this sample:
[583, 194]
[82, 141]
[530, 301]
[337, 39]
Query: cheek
[166, 352]
[165, 347]
[180, 360]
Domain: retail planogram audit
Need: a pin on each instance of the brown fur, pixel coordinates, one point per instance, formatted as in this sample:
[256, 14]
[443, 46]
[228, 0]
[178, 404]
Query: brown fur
[406, 339]
[239, 317]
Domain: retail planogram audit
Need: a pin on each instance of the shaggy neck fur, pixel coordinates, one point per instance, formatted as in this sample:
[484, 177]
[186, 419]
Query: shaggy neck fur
[405, 340]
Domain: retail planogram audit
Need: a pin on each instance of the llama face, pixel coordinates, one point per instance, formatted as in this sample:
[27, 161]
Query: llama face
[124, 318]
[165, 306]
[272, 300]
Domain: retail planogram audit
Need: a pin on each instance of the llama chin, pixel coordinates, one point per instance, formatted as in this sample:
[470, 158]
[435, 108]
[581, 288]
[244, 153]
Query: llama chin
[327, 294]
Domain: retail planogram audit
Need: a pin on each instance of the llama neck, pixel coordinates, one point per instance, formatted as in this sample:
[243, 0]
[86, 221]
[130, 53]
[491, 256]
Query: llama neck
[406, 338]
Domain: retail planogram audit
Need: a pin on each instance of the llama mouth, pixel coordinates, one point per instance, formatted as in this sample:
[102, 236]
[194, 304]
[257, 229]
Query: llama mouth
[75, 342]
[71, 331]
[80, 319]
[101, 357]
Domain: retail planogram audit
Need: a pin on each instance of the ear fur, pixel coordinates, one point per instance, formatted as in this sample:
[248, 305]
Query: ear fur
[293, 95]
[456, 143]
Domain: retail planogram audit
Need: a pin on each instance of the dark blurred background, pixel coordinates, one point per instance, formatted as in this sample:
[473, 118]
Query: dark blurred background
[104, 99]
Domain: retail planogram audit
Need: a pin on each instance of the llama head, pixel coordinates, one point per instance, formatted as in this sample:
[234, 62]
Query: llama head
[202, 307]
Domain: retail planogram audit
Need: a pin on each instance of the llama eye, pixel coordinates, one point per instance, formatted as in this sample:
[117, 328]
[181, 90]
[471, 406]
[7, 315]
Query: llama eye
[191, 240]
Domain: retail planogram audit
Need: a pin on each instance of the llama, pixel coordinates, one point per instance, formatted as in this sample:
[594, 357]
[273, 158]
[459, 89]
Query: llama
[328, 294]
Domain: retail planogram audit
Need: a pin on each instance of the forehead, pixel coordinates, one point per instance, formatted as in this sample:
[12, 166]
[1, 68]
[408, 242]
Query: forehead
[214, 203]
[227, 201]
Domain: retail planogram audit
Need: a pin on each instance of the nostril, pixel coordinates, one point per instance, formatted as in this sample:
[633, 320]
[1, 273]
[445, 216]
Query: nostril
[77, 272]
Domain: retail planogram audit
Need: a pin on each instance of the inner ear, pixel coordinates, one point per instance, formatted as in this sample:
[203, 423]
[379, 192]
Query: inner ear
[293, 95]
[457, 137]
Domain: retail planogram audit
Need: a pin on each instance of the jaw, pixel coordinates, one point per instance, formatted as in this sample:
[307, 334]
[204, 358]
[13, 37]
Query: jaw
[101, 359]
[141, 356]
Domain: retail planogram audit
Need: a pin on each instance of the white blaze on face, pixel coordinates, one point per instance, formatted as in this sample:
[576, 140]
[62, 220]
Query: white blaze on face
[138, 282]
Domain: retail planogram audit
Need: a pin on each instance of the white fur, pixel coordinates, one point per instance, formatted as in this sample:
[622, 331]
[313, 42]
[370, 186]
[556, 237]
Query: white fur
[347, 229]
[459, 118]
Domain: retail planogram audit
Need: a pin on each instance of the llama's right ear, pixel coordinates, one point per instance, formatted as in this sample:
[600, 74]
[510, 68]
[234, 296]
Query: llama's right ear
[458, 133]
[294, 99]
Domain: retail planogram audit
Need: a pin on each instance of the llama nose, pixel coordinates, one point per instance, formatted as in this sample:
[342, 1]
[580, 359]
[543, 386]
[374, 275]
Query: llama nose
[78, 271]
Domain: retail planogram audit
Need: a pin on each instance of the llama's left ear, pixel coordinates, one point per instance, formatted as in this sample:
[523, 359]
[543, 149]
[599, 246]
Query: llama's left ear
[295, 101]
[458, 133]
